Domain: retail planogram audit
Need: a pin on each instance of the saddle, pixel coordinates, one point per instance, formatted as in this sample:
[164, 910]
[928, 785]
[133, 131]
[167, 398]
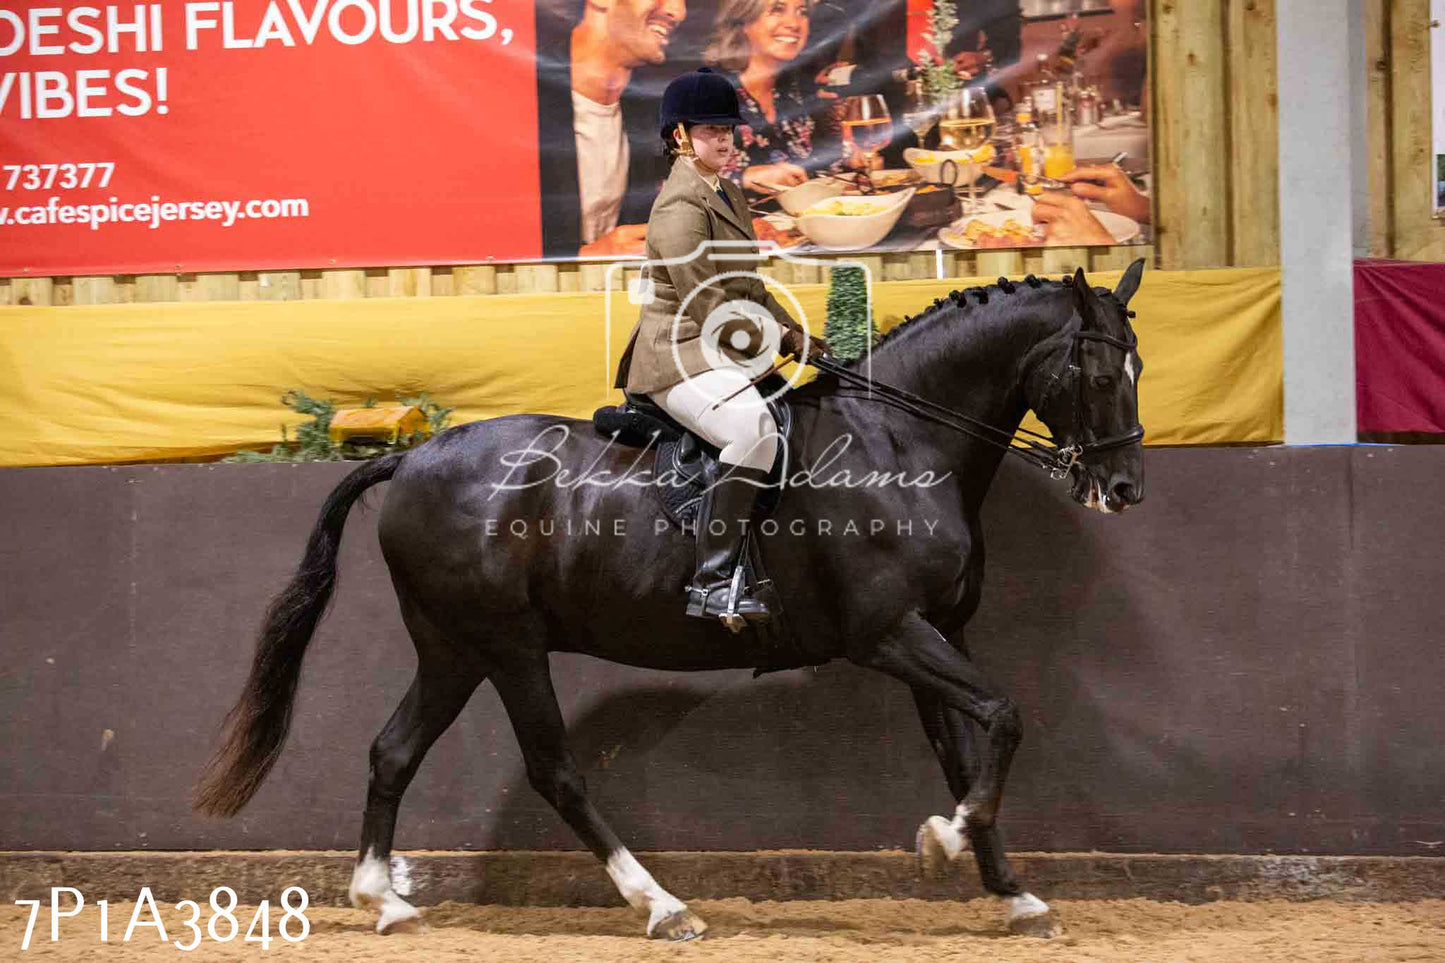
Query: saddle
[683, 456]
[690, 464]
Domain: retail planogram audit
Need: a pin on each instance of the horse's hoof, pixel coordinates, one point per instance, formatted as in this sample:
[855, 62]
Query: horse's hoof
[399, 919]
[938, 844]
[1044, 925]
[680, 926]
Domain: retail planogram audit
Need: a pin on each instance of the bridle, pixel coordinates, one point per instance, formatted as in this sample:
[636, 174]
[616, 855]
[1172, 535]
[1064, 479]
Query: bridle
[1040, 450]
[1109, 442]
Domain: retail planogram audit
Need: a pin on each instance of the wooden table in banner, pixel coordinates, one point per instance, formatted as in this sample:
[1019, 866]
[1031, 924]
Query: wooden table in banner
[929, 205]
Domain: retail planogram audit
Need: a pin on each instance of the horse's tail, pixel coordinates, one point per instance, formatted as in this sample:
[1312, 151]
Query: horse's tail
[256, 727]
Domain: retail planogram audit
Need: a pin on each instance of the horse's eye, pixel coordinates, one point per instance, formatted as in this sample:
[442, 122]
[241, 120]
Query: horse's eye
[1103, 382]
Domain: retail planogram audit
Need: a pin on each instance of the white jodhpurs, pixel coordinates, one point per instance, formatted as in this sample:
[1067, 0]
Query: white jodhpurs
[742, 428]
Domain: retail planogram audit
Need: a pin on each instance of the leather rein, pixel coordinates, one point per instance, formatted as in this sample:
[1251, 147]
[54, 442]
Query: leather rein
[1040, 450]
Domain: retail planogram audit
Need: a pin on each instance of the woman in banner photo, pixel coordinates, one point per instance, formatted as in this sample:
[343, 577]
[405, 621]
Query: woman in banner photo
[787, 128]
[699, 339]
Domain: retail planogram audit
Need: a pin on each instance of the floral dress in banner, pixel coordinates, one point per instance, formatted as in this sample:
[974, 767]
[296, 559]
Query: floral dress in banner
[803, 133]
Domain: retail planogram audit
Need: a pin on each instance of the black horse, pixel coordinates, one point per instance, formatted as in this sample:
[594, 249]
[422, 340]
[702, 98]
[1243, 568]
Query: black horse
[879, 561]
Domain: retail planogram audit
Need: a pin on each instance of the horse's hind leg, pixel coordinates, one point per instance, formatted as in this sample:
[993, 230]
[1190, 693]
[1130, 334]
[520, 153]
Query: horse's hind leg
[526, 690]
[949, 691]
[437, 694]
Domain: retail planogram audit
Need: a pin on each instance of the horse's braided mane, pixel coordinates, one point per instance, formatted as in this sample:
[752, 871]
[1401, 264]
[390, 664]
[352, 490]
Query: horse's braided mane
[958, 299]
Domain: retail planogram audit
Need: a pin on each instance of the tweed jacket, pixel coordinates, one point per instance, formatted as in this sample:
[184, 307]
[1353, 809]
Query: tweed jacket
[687, 213]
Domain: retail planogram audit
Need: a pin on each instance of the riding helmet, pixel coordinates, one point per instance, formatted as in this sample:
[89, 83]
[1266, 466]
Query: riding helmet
[699, 97]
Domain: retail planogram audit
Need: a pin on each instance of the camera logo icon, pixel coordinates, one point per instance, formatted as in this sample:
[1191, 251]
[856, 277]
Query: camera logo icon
[737, 332]
[743, 334]
[641, 291]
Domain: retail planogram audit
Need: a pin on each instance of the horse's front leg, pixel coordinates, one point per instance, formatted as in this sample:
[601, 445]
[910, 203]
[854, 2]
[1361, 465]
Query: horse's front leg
[950, 691]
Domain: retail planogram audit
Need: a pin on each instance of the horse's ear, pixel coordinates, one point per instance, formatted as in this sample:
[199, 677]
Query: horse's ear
[1086, 302]
[1129, 283]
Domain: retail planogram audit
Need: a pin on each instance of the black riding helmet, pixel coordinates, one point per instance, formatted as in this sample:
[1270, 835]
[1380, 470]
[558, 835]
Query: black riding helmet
[700, 97]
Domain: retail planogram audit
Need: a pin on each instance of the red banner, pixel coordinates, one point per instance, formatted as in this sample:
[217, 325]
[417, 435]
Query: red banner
[224, 135]
[1400, 346]
[179, 137]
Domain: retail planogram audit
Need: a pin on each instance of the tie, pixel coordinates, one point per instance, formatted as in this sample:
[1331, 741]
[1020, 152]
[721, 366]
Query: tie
[723, 194]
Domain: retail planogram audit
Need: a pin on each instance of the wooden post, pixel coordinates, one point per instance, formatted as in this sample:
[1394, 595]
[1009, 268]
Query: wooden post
[36, 291]
[1377, 69]
[343, 285]
[1253, 111]
[1191, 133]
[408, 282]
[993, 264]
[95, 290]
[157, 287]
[475, 279]
[278, 285]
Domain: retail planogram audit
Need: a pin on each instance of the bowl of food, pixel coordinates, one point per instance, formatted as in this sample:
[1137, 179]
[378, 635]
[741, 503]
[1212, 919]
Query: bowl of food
[928, 164]
[796, 200]
[855, 221]
[894, 178]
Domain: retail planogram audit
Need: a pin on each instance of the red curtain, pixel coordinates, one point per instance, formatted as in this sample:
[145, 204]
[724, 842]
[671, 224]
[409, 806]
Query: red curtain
[1400, 346]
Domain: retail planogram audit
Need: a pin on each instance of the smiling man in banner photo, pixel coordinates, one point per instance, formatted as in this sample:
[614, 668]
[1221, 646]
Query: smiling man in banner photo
[600, 162]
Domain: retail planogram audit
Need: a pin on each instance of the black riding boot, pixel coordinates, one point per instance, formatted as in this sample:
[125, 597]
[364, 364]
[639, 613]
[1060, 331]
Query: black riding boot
[726, 507]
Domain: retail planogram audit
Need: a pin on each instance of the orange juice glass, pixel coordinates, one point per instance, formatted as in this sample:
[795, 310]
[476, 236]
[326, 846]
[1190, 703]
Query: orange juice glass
[1058, 160]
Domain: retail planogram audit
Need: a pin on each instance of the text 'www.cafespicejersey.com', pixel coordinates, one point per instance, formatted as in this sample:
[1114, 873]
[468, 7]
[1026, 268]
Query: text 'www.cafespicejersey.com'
[221, 927]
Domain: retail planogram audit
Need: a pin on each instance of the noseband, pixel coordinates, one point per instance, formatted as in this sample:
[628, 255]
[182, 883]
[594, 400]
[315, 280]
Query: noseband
[1040, 450]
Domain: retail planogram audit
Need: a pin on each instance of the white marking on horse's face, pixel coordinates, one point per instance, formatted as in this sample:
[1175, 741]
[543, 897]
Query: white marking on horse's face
[1026, 905]
[1129, 368]
[640, 890]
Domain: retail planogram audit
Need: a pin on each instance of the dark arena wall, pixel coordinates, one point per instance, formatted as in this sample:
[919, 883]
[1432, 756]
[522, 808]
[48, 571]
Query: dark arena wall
[1250, 662]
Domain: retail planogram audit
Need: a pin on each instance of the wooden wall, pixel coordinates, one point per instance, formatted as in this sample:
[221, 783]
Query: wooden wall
[1215, 113]
[1402, 222]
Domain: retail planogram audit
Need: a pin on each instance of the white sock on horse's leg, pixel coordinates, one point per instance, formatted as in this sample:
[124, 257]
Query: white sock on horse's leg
[640, 890]
[1025, 905]
[941, 840]
[371, 889]
[1030, 916]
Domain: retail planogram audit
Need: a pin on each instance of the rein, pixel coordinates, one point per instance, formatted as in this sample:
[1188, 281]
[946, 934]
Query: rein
[1039, 450]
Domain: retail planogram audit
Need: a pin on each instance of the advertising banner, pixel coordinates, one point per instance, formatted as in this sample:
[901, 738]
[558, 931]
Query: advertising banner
[222, 135]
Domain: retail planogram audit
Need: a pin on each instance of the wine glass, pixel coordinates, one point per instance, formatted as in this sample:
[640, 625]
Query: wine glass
[920, 112]
[967, 125]
[867, 125]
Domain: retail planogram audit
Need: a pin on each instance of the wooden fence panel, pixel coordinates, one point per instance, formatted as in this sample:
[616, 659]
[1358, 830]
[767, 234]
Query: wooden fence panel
[1191, 134]
[1252, 102]
[1418, 235]
[1377, 95]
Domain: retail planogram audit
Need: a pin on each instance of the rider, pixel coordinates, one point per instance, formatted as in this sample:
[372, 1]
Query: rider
[687, 365]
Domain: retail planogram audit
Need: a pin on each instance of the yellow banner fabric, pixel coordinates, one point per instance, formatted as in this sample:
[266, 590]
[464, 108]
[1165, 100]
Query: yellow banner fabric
[136, 382]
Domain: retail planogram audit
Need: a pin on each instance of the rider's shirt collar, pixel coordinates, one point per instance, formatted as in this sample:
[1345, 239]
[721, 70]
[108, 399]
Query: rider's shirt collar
[709, 177]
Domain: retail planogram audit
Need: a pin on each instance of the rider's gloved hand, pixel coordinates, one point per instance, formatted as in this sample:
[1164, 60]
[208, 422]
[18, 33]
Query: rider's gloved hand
[794, 339]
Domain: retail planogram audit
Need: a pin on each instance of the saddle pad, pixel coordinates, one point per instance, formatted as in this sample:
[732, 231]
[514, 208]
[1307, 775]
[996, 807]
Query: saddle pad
[688, 463]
